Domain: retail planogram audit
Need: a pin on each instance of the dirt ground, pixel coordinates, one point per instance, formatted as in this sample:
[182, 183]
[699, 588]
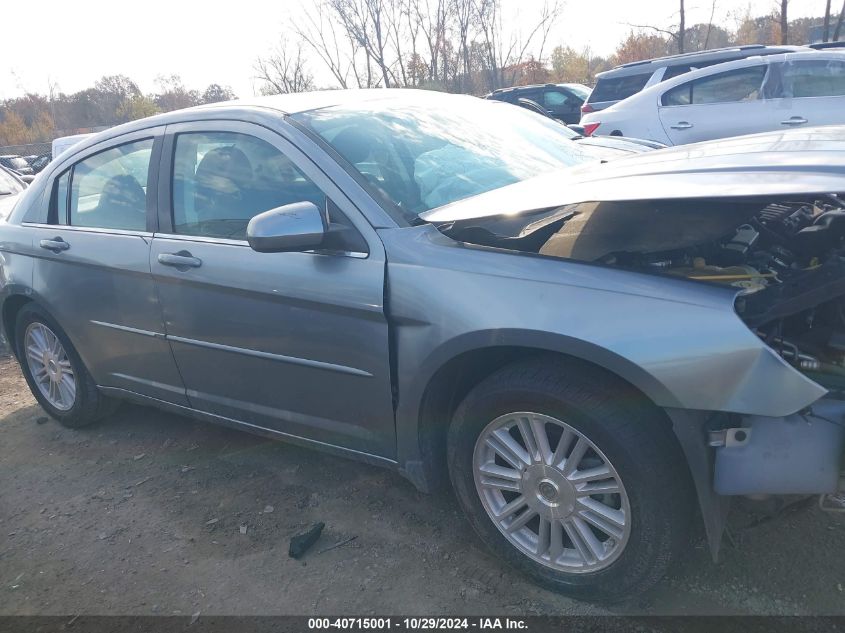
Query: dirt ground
[146, 512]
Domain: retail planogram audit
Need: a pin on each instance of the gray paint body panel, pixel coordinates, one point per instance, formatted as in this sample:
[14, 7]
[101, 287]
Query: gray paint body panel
[680, 343]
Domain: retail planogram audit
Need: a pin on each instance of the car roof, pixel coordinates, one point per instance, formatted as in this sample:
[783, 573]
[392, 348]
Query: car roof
[570, 84]
[250, 107]
[709, 56]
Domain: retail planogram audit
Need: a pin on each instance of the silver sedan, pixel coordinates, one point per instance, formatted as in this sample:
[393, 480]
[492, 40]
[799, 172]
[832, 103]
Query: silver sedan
[586, 344]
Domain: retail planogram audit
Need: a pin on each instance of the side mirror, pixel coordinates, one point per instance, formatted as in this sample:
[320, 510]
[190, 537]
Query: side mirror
[300, 226]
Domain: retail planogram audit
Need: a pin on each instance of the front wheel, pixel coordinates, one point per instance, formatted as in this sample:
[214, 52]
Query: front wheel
[54, 371]
[570, 477]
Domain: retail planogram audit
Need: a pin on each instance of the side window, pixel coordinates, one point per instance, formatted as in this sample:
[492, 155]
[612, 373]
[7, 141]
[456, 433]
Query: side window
[555, 100]
[533, 95]
[732, 86]
[222, 179]
[109, 189]
[674, 71]
[821, 78]
[615, 89]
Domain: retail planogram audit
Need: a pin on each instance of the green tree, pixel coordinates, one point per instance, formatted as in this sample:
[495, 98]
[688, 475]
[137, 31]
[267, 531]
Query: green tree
[137, 107]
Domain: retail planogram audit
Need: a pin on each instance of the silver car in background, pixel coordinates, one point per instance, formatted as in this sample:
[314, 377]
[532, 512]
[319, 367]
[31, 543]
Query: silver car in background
[587, 347]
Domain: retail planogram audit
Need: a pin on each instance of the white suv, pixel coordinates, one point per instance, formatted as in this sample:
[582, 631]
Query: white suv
[628, 79]
[757, 94]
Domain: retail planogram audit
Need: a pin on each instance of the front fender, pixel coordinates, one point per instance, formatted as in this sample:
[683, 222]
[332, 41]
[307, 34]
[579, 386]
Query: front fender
[679, 342]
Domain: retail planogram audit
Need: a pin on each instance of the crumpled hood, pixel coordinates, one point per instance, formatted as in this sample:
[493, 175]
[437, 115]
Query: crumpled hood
[791, 162]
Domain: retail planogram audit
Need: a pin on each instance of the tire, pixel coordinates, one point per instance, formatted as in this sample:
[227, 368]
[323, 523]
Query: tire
[86, 405]
[649, 515]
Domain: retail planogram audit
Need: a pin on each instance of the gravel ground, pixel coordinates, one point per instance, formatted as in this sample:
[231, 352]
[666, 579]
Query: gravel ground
[153, 513]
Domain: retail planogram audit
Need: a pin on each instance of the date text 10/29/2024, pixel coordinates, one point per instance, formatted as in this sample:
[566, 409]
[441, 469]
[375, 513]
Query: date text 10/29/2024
[417, 624]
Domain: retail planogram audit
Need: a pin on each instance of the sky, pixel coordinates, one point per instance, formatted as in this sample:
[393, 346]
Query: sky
[72, 44]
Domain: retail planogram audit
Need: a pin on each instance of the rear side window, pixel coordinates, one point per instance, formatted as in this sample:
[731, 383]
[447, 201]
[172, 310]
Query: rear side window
[109, 190]
[555, 99]
[222, 179]
[733, 86]
[674, 71]
[820, 78]
[618, 88]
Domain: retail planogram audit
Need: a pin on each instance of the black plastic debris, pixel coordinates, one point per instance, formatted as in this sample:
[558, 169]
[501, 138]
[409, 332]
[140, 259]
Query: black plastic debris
[301, 543]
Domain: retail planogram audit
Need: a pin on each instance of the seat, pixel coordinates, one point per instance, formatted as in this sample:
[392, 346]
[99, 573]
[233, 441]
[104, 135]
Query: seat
[223, 182]
[122, 205]
[357, 147]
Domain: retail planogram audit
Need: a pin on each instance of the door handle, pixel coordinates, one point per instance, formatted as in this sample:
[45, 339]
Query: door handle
[794, 120]
[182, 260]
[56, 245]
[681, 125]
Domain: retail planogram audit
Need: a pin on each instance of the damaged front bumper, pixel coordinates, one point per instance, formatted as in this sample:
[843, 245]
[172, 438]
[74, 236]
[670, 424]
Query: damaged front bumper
[796, 454]
[755, 456]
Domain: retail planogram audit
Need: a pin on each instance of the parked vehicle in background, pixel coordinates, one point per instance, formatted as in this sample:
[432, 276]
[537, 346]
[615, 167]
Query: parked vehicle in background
[560, 101]
[451, 288]
[41, 162]
[16, 163]
[610, 145]
[823, 46]
[612, 86]
[10, 183]
[65, 142]
[757, 94]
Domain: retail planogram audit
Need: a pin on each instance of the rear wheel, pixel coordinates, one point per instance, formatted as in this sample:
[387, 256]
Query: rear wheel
[571, 478]
[55, 373]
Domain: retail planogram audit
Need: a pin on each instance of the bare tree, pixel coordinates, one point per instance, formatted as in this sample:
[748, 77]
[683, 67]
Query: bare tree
[498, 56]
[284, 70]
[784, 22]
[367, 22]
[826, 30]
[839, 21]
[710, 25]
[682, 28]
[679, 35]
[464, 11]
[432, 22]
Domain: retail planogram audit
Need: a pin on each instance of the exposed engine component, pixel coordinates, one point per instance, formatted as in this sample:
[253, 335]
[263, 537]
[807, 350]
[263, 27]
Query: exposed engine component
[787, 257]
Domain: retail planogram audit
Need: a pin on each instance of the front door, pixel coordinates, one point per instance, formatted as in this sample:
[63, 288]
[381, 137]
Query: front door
[293, 342]
[93, 265]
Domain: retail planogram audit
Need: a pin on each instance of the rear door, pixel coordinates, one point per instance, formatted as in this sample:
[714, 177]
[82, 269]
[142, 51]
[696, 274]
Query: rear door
[717, 106]
[292, 342]
[93, 272]
[810, 92]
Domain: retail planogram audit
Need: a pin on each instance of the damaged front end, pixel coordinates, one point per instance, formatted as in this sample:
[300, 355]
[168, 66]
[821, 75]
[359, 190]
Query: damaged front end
[785, 256]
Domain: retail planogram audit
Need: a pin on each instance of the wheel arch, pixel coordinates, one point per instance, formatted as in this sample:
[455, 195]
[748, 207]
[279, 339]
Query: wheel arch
[441, 381]
[11, 307]
[421, 435]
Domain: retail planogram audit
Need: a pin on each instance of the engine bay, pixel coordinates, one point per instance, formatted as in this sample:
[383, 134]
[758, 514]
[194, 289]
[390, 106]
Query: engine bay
[786, 258]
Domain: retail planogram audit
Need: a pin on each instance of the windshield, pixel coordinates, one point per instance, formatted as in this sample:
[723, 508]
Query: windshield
[436, 150]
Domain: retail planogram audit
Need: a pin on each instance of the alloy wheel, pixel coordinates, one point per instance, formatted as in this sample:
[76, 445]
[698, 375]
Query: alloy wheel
[551, 492]
[49, 366]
